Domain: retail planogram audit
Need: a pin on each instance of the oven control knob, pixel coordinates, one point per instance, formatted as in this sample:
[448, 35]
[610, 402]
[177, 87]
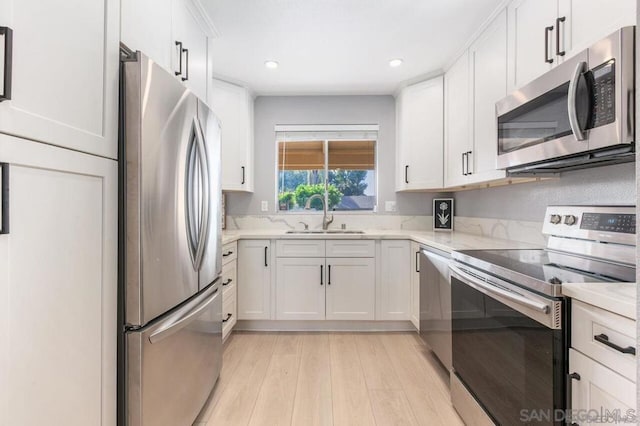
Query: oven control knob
[570, 220]
[555, 219]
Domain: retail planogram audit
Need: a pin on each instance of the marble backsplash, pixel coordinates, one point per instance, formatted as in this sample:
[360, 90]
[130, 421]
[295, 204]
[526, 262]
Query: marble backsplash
[516, 230]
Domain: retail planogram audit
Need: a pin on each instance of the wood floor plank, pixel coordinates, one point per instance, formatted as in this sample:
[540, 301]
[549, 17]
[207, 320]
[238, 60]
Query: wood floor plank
[239, 396]
[274, 405]
[351, 404]
[375, 363]
[313, 405]
[391, 408]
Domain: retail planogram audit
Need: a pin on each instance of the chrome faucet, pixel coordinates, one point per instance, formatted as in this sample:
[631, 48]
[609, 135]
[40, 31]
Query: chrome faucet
[325, 221]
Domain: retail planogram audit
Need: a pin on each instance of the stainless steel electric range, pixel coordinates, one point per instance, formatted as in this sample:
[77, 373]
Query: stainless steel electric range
[510, 321]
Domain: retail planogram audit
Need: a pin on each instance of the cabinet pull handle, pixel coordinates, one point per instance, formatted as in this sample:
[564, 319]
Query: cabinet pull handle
[179, 44]
[186, 52]
[574, 376]
[7, 33]
[265, 257]
[329, 279]
[558, 21]
[4, 198]
[227, 282]
[228, 318]
[547, 30]
[406, 174]
[242, 183]
[468, 162]
[462, 156]
[604, 339]
[229, 253]
[418, 261]
[321, 274]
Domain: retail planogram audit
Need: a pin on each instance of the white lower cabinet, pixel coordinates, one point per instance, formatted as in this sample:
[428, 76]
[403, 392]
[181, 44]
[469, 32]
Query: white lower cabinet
[229, 288]
[415, 285]
[254, 280]
[394, 288]
[351, 288]
[58, 286]
[300, 288]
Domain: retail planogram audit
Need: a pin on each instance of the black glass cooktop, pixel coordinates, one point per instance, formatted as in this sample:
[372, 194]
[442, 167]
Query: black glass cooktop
[549, 266]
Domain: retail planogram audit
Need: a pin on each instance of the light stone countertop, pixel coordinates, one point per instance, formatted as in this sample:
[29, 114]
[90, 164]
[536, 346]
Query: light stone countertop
[619, 298]
[446, 241]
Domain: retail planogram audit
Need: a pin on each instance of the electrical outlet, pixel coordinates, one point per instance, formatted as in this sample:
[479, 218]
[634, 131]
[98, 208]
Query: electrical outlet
[390, 206]
[265, 206]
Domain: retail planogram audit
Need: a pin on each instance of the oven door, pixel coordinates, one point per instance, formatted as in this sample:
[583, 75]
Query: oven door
[508, 349]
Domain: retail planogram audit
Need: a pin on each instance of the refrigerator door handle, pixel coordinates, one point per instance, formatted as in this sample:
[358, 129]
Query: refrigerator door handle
[203, 232]
[191, 195]
[173, 325]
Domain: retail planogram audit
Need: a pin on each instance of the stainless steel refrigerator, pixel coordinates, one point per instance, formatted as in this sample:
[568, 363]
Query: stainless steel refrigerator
[171, 247]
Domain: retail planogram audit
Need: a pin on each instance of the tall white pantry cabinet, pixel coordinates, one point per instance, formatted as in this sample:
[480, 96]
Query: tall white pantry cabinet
[58, 244]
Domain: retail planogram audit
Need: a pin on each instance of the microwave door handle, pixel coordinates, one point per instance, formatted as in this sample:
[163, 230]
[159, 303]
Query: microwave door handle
[572, 99]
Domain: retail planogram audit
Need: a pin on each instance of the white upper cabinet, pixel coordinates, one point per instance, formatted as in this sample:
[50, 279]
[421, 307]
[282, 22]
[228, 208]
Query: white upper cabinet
[457, 135]
[543, 33]
[420, 136]
[234, 107]
[64, 84]
[172, 34]
[488, 60]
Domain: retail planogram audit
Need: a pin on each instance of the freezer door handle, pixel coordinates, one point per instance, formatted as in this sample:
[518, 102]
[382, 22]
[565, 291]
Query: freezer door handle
[173, 325]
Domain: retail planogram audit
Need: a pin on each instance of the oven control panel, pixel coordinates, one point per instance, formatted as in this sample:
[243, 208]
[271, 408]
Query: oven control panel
[616, 224]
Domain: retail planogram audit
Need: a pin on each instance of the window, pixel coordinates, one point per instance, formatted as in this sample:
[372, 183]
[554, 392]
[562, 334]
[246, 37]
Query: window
[338, 166]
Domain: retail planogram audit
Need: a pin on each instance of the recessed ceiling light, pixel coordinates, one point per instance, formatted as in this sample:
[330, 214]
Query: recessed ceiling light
[271, 64]
[395, 62]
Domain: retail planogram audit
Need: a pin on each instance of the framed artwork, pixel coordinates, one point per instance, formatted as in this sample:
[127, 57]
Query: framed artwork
[443, 214]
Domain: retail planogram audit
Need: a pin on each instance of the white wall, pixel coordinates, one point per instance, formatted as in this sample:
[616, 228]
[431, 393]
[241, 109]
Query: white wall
[272, 110]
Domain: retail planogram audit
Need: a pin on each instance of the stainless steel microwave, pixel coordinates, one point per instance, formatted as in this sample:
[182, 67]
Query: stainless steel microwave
[579, 114]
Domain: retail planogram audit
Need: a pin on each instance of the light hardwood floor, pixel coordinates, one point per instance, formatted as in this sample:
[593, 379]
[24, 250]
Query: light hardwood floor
[337, 379]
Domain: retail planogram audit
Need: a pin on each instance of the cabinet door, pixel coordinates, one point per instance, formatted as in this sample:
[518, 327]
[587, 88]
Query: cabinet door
[146, 26]
[489, 70]
[234, 107]
[64, 74]
[58, 287]
[300, 284]
[395, 281]
[415, 285]
[599, 390]
[254, 279]
[194, 42]
[350, 289]
[587, 21]
[457, 136]
[422, 132]
[527, 22]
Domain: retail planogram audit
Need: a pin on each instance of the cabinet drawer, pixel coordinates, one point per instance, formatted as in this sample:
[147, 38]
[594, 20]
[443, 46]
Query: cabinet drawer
[229, 278]
[229, 252]
[300, 248]
[351, 248]
[229, 315]
[588, 321]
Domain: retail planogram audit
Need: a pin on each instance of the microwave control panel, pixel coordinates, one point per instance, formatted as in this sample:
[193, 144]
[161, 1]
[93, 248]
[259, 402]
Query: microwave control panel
[603, 92]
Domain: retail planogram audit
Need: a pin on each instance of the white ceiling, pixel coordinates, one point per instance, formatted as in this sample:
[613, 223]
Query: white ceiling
[338, 46]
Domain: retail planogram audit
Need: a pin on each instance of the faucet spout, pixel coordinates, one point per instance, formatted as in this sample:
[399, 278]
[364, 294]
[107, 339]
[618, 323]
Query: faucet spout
[326, 221]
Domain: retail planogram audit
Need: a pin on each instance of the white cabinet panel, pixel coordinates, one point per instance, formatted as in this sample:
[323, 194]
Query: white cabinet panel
[58, 287]
[300, 248]
[351, 248]
[300, 288]
[420, 136]
[146, 26]
[234, 107]
[350, 290]
[527, 22]
[395, 281]
[457, 136]
[598, 390]
[254, 279]
[587, 21]
[65, 73]
[415, 285]
[488, 57]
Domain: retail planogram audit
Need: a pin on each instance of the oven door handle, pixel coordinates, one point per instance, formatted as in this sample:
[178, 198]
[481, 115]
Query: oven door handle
[486, 287]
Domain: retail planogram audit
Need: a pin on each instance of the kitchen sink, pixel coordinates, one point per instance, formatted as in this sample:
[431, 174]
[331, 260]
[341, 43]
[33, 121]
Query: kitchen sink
[328, 231]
